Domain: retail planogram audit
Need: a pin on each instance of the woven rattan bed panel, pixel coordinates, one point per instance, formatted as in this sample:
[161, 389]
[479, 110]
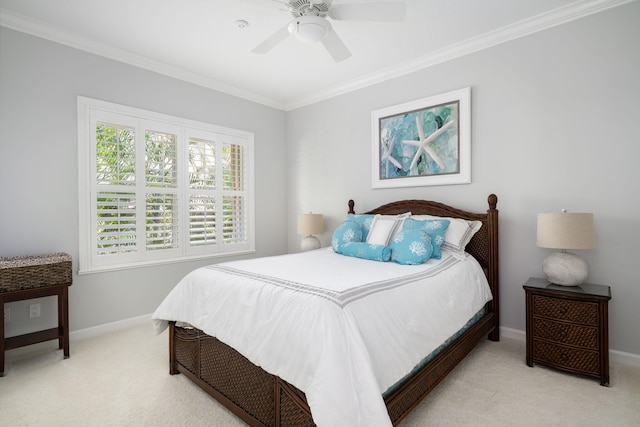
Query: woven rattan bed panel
[221, 366]
[262, 399]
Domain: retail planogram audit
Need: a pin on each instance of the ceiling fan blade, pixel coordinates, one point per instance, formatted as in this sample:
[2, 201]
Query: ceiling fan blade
[335, 46]
[391, 12]
[273, 40]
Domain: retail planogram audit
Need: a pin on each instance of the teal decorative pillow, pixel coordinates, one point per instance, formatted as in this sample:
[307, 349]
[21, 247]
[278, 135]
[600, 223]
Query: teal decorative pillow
[347, 232]
[367, 251]
[435, 228]
[411, 247]
[364, 220]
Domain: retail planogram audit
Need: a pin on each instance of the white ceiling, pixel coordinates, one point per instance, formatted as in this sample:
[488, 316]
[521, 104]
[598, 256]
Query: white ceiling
[199, 40]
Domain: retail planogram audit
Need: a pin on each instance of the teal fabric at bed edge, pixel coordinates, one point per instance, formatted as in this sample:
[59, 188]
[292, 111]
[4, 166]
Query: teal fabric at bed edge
[435, 352]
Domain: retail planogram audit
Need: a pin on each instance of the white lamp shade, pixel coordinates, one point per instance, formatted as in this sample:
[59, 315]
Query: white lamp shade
[310, 223]
[309, 29]
[563, 230]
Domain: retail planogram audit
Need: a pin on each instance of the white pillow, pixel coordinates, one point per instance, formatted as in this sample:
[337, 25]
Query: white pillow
[457, 235]
[384, 227]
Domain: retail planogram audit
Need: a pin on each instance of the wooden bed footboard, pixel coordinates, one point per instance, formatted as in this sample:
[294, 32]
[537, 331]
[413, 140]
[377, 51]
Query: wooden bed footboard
[257, 397]
[262, 399]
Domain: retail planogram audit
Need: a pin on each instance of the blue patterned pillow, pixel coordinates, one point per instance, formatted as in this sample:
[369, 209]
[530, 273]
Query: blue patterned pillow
[367, 251]
[364, 220]
[411, 247]
[347, 232]
[435, 228]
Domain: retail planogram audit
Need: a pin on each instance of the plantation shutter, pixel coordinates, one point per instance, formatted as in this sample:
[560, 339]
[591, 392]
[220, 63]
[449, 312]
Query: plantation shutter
[115, 221]
[234, 230]
[161, 188]
[218, 211]
[202, 192]
[156, 188]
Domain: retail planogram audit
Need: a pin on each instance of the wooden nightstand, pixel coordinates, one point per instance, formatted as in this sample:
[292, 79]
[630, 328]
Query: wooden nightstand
[567, 327]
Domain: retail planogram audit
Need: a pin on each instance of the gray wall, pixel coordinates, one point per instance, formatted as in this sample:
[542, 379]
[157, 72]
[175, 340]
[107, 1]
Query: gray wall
[39, 82]
[554, 125]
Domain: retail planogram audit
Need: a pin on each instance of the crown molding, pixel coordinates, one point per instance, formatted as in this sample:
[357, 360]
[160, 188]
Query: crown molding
[541, 22]
[535, 24]
[39, 29]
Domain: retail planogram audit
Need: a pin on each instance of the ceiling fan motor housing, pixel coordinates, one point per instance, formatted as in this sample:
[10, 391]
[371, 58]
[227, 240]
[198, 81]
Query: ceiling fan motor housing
[309, 29]
[310, 22]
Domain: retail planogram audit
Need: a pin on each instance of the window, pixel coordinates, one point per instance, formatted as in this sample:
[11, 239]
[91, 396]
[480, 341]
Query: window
[156, 188]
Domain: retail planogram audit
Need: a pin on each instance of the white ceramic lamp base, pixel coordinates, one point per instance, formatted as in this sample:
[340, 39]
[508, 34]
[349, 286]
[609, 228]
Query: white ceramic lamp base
[566, 269]
[309, 243]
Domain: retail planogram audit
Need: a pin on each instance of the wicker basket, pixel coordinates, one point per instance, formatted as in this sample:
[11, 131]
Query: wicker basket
[34, 271]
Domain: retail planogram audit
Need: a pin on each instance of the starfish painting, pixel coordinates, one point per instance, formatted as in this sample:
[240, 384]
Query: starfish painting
[387, 148]
[423, 144]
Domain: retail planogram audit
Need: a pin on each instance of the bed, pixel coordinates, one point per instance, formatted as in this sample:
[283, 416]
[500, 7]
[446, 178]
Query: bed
[244, 381]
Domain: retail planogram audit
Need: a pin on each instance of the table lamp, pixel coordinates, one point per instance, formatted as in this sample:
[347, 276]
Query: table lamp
[564, 230]
[308, 225]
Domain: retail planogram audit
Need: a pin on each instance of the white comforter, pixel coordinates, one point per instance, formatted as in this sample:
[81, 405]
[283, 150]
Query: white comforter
[340, 329]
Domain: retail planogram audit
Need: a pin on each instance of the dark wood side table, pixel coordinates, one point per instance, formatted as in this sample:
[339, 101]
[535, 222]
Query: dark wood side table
[567, 327]
[26, 277]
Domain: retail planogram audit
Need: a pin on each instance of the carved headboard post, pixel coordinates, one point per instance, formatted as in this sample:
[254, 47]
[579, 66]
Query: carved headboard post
[351, 207]
[492, 224]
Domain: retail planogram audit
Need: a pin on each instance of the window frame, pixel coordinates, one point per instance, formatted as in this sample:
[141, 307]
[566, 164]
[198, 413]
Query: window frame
[91, 111]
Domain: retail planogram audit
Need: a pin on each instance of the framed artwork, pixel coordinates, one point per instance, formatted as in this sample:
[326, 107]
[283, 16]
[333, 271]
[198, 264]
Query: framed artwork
[423, 142]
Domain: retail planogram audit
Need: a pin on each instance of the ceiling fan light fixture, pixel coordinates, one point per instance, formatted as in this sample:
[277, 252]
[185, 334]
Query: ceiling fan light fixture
[309, 29]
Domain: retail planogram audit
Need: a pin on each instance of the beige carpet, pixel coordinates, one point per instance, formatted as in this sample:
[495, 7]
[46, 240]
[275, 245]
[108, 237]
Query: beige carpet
[122, 379]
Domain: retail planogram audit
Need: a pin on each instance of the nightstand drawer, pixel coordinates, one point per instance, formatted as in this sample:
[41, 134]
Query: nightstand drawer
[562, 333]
[567, 327]
[560, 309]
[583, 361]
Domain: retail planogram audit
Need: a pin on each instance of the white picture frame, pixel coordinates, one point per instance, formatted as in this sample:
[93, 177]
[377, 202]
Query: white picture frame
[423, 142]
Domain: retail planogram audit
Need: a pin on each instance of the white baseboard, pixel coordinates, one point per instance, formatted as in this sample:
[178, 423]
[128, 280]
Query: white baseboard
[624, 358]
[514, 334]
[110, 327]
[616, 356]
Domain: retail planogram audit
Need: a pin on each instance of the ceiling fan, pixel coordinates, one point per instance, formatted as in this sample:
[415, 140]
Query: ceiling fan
[310, 23]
